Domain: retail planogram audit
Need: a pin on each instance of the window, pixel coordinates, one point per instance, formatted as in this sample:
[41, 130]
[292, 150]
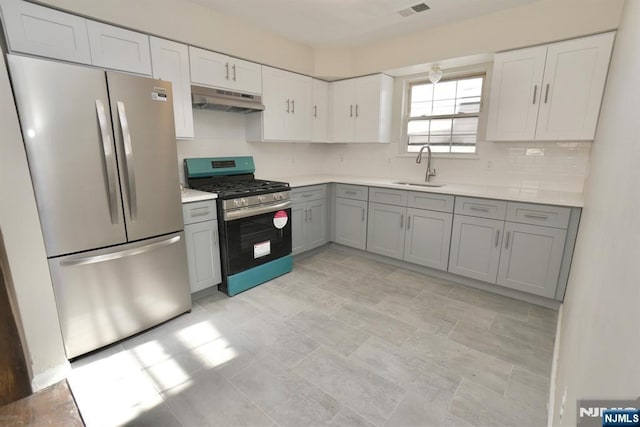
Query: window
[444, 115]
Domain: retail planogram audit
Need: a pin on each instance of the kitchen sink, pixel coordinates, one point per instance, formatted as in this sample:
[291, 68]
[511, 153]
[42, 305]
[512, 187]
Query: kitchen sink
[418, 184]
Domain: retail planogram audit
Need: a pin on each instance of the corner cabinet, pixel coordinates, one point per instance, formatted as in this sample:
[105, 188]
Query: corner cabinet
[201, 238]
[309, 218]
[361, 109]
[551, 92]
[224, 72]
[171, 62]
[320, 111]
[287, 108]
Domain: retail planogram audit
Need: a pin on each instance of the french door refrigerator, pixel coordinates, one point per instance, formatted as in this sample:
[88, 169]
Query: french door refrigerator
[102, 155]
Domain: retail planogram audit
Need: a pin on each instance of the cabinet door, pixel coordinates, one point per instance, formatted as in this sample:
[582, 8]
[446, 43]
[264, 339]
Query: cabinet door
[342, 94]
[317, 225]
[246, 76]
[171, 62]
[475, 247]
[373, 93]
[299, 123]
[277, 104]
[351, 223]
[210, 68]
[385, 231]
[45, 32]
[119, 49]
[320, 111]
[203, 254]
[428, 238]
[531, 258]
[516, 88]
[299, 219]
[574, 80]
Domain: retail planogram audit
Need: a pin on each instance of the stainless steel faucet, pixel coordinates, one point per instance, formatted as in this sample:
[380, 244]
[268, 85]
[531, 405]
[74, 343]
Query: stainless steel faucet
[429, 173]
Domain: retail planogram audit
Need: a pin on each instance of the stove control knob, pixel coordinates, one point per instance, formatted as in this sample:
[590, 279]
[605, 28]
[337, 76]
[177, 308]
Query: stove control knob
[236, 202]
[277, 196]
[244, 202]
[262, 199]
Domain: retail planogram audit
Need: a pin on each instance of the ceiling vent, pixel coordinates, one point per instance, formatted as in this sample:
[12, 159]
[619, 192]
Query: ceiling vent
[420, 7]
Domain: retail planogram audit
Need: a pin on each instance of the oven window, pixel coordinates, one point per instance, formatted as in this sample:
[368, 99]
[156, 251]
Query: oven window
[256, 240]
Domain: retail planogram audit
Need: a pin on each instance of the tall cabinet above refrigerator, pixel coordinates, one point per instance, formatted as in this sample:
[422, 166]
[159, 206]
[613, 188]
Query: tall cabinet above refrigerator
[102, 156]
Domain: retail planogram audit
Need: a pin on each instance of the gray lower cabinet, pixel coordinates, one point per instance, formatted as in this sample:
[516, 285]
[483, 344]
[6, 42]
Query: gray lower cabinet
[428, 237]
[531, 258]
[385, 232]
[203, 250]
[475, 247]
[351, 222]
[309, 225]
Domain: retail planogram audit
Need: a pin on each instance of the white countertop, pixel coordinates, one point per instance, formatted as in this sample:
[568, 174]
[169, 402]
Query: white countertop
[518, 194]
[189, 195]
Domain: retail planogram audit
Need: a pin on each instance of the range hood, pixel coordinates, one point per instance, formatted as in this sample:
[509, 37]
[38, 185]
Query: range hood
[207, 98]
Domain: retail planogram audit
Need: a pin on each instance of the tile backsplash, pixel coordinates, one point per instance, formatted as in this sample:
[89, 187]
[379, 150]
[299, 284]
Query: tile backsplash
[538, 165]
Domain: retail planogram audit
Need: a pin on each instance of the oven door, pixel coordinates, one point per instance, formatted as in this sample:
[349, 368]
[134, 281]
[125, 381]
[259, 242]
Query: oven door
[256, 236]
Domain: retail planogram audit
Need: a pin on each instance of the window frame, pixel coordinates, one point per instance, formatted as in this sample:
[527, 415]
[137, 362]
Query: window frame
[479, 69]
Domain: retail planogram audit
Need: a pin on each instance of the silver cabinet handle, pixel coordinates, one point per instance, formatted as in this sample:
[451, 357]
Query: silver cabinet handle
[128, 154]
[109, 162]
[199, 212]
[227, 74]
[409, 222]
[356, 110]
[288, 105]
[315, 111]
[82, 260]
[401, 221]
[293, 106]
[350, 110]
[480, 209]
[362, 214]
[306, 215]
[536, 216]
[497, 238]
[535, 92]
[307, 195]
[546, 93]
[351, 192]
[234, 72]
[310, 215]
[506, 240]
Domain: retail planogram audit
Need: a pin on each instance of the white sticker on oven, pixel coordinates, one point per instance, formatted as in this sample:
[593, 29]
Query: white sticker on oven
[280, 219]
[261, 249]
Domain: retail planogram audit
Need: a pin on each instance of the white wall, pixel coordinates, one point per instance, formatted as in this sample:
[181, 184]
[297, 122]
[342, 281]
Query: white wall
[599, 347]
[24, 261]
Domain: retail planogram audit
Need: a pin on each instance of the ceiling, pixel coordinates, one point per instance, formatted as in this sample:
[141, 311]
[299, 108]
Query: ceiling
[349, 23]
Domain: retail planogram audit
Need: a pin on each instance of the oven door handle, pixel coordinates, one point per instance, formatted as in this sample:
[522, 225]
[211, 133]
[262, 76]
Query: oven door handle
[247, 212]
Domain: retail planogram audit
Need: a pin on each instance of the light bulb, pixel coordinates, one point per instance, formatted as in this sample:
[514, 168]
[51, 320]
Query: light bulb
[435, 74]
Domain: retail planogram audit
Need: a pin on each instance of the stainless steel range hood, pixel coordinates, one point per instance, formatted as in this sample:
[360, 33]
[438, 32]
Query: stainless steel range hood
[207, 98]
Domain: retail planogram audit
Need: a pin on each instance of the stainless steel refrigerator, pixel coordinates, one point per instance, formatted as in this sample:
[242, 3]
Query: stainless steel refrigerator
[102, 156]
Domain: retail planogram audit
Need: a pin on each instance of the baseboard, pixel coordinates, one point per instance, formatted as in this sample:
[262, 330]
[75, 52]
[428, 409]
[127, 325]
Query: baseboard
[554, 369]
[50, 376]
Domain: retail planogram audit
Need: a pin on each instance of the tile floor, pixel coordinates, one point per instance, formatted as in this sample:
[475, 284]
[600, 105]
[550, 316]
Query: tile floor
[341, 341]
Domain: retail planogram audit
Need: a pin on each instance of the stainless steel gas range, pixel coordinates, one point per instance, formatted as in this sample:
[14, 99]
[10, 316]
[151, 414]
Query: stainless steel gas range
[255, 226]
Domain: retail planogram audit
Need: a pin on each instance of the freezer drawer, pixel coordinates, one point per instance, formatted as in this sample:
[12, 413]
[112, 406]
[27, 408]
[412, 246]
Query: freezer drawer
[106, 295]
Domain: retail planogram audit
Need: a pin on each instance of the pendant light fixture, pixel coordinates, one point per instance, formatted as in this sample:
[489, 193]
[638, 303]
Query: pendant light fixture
[435, 74]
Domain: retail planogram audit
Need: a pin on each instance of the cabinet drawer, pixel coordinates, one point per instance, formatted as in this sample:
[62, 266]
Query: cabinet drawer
[357, 192]
[430, 201]
[388, 196]
[483, 208]
[199, 211]
[312, 192]
[549, 216]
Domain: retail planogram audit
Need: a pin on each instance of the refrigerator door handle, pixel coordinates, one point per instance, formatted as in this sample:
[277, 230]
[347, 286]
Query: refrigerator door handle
[128, 151]
[83, 260]
[109, 160]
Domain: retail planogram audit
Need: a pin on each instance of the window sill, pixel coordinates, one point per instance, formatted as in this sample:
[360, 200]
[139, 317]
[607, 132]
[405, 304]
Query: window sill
[443, 156]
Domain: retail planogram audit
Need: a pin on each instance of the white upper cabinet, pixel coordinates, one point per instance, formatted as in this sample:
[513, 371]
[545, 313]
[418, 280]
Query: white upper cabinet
[287, 108]
[119, 49]
[224, 72]
[550, 92]
[46, 32]
[170, 62]
[320, 111]
[361, 109]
